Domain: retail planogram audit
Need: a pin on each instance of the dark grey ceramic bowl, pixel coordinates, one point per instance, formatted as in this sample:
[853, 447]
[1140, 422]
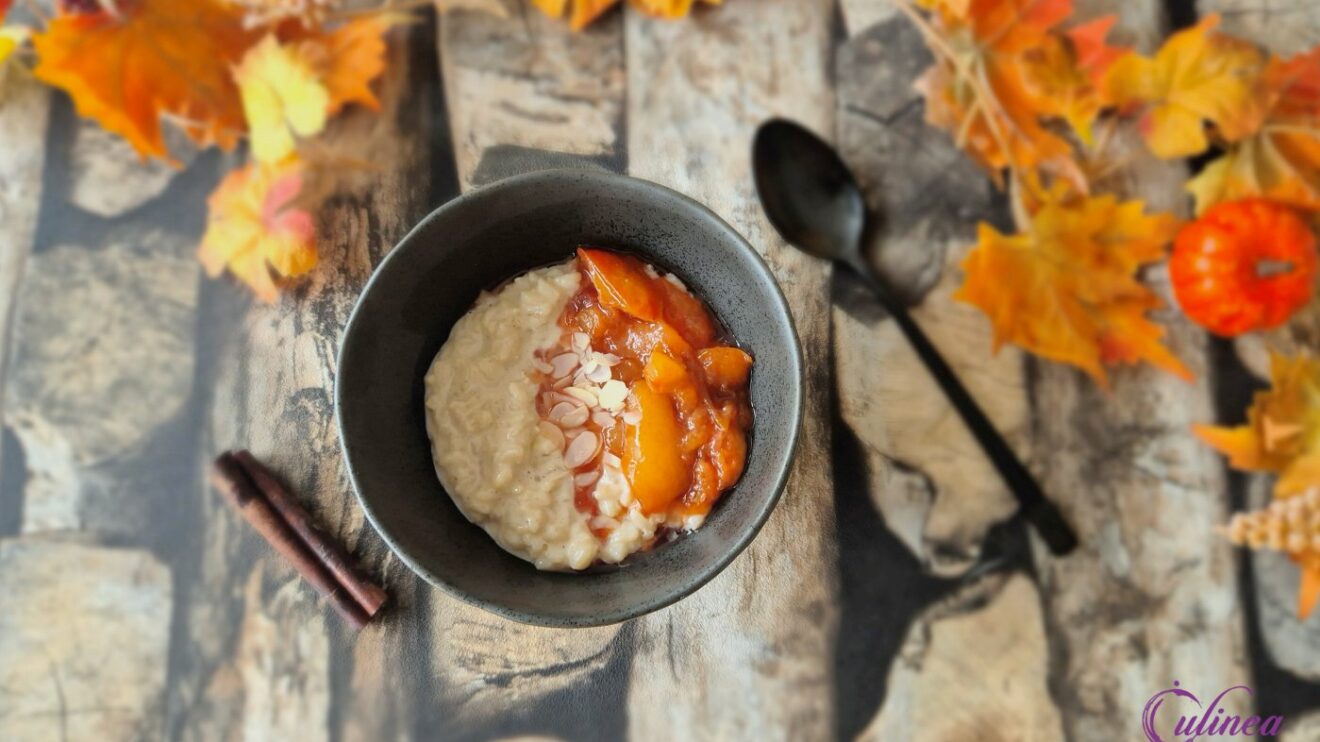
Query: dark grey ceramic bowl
[432, 278]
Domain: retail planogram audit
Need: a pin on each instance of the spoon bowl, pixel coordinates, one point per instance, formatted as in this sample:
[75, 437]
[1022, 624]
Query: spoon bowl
[808, 192]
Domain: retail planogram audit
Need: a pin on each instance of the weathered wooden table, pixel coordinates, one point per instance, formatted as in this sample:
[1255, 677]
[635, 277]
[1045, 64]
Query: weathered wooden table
[133, 604]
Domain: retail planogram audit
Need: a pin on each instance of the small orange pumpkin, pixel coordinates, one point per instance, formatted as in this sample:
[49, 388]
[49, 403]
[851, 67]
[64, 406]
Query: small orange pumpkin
[1244, 265]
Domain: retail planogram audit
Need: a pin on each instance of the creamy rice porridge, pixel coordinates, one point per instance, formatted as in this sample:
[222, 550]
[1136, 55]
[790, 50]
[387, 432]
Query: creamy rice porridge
[586, 411]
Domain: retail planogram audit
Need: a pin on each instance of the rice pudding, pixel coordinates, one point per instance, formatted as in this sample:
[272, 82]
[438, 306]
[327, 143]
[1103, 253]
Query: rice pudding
[588, 410]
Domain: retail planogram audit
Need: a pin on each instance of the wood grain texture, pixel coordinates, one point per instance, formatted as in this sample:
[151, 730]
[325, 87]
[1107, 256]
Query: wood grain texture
[973, 667]
[1150, 595]
[1285, 27]
[22, 148]
[262, 658]
[285, 676]
[84, 632]
[527, 81]
[748, 655]
[89, 391]
[929, 478]
[109, 178]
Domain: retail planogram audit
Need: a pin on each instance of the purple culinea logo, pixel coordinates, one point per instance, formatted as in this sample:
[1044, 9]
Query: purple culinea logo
[1210, 722]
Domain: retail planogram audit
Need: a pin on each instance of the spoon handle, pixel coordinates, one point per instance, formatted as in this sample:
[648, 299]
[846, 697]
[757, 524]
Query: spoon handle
[1038, 511]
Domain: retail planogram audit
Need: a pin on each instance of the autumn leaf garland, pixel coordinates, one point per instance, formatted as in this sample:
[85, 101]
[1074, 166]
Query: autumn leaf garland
[1021, 88]
[273, 72]
[207, 68]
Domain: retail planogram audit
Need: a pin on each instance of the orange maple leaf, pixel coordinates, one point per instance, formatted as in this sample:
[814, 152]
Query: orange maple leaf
[1281, 161]
[350, 57]
[1195, 77]
[1282, 432]
[1067, 289]
[1091, 46]
[252, 228]
[154, 57]
[346, 58]
[981, 89]
[1065, 74]
[1052, 72]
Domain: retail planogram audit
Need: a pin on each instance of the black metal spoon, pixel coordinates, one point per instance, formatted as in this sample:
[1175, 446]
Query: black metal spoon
[814, 202]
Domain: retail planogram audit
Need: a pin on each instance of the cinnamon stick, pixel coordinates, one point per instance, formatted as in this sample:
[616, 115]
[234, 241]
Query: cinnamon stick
[233, 482]
[328, 551]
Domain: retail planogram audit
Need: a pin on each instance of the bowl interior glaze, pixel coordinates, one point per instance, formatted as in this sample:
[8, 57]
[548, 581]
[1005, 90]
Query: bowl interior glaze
[477, 242]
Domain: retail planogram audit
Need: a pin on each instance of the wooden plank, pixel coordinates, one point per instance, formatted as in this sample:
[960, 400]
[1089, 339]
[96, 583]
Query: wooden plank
[526, 81]
[259, 657]
[1150, 595]
[84, 632]
[749, 655]
[985, 647]
[23, 120]
[928, 477]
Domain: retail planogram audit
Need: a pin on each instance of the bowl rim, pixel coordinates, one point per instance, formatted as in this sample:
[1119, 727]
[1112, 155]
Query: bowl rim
[651, 603]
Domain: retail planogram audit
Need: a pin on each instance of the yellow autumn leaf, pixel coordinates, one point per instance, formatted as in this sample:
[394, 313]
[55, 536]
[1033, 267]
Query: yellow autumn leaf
[282, 97]
[253, 229]
[1281, 161]
[348, 58]
[1067, 289]
[1282, 432]
[580, 12]
[1198, 76]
